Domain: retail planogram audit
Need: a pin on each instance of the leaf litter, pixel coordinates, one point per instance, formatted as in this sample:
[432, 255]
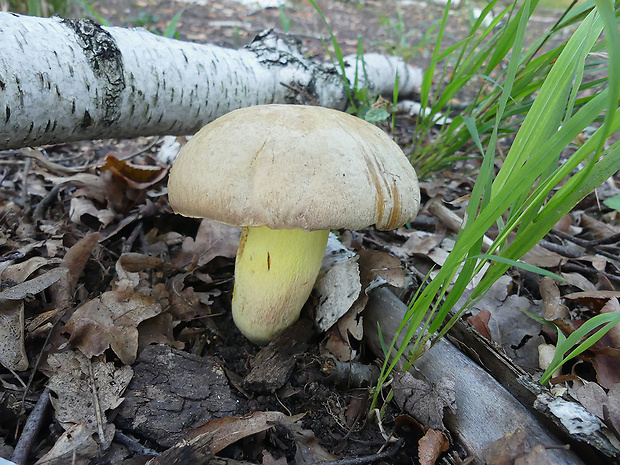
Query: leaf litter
[132, 279]
[100, 280]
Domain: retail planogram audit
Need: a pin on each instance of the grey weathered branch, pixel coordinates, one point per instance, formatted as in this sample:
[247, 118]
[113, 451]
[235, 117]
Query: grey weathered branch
[485, 410]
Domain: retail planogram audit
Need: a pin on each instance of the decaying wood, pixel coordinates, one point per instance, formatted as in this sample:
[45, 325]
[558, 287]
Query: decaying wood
[568, 419]
[485, 410]
[168, 380]
[64, 80]
[274, 364]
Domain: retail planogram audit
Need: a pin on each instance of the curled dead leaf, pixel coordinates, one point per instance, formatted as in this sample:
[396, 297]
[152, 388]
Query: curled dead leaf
[431, 446]
[136, 176]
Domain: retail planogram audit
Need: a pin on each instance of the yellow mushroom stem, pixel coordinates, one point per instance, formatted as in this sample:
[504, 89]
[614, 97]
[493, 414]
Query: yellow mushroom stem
[275, 271]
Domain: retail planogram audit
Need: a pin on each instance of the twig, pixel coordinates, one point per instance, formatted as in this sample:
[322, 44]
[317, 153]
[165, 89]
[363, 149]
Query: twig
[565, 251]
[128, 245]
[97, 406]
[132, 445]
[31, 429]
[39, 155]
[39, 210]
[24, 195]
[591, 271]
[589, 245]
[369, 458]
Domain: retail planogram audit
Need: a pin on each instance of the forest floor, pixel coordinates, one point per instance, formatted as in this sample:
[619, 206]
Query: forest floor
[136, 342]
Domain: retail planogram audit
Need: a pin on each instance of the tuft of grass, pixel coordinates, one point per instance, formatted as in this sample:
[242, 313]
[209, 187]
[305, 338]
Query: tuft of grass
[43, 8]
[285, 22]
[552, 103]
[401, 40]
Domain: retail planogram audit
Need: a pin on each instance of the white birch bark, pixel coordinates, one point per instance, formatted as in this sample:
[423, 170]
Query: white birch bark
[66, 80]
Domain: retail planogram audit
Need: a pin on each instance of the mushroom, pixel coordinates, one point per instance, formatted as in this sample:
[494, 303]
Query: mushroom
[288, 174]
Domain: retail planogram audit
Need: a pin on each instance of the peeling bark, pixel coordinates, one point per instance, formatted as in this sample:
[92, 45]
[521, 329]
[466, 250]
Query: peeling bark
[64, 80]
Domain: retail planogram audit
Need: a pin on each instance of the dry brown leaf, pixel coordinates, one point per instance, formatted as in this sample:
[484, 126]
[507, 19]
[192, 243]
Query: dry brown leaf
[309, 451]
[226, 431]
[518, 334]
[611, 409]
[269, 460]
[134, 262]
[337, 288]
[74, 261]
[481, 323]
[336, 345]
[213, 239]
[136, 176]
[157, 330]
[594, 300]
[592, 396]
[539, 455]
[507, 449]
[579, 281]
[12, 348]
[185, 305]
[423, 401]
[607, 370]
[539, 256]
[83, 211]
[111, 320]
[612, 338]
[375, 264]
[431, 446]
[421, 243]
[76, 446]
[76, 257]
[550, 293]
[598, 229]
[86, 390]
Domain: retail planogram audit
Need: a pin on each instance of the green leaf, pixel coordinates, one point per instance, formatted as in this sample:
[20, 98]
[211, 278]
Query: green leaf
[518, 264]
[613, 202]
[377, 114]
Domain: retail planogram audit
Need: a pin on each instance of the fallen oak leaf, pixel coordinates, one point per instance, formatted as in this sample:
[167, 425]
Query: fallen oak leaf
[424, 401]
[86, 391]
[111, 320]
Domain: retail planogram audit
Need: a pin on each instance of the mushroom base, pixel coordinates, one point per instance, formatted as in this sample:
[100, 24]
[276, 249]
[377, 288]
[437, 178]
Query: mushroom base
[275, 271]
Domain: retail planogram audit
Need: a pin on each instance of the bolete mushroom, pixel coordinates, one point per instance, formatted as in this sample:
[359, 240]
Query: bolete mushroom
[288, 174]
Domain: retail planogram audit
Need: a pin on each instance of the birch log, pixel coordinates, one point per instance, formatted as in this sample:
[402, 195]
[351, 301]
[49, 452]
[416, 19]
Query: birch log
[64, 80]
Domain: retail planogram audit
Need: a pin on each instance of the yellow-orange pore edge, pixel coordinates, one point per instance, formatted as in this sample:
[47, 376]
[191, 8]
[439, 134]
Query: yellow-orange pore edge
[275, 271]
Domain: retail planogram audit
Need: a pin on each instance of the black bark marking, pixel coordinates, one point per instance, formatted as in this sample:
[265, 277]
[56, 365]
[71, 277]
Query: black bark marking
[86, 120]
[7, 113]
[106, 62]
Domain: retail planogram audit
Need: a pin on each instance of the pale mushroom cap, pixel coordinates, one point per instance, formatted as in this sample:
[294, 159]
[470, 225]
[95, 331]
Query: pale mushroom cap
[289, 166]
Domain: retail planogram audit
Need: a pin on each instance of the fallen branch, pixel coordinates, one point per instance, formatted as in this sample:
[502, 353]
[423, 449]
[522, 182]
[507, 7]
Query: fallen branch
[63, 80]
[485, 411]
